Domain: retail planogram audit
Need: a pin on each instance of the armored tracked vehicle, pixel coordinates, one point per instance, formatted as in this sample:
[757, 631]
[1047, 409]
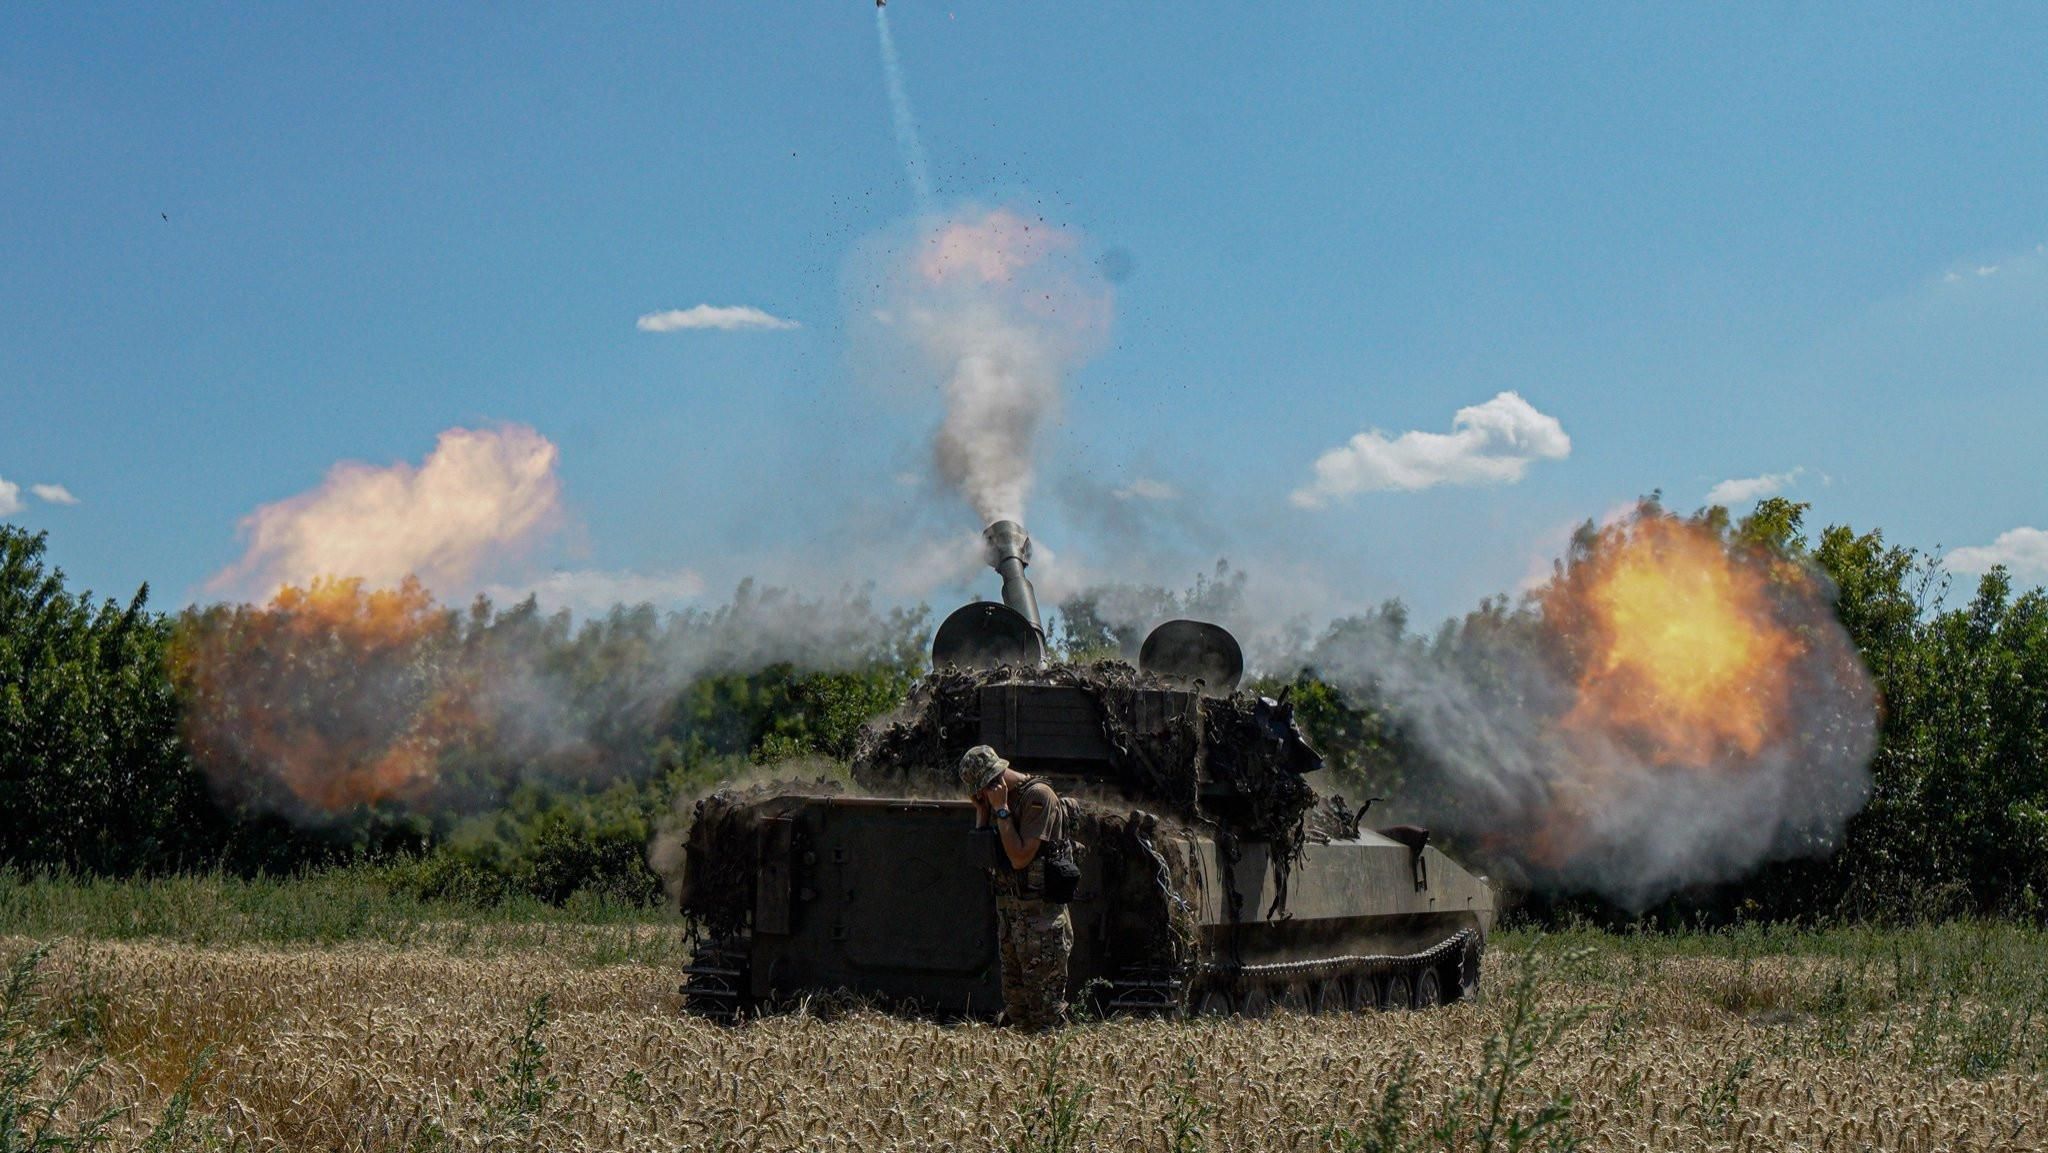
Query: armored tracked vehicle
[1213, 879]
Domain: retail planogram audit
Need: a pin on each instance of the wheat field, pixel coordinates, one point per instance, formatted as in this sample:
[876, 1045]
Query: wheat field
[370, 1046]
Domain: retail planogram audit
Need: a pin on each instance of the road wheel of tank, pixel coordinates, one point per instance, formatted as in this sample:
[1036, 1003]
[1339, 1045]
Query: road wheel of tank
[1257, 1002]
[1330, 996]
[1465, 978]
[1400, 992]
[1361, 994]
[1294, 997]
[1215, 1002]
[1372, 991]
[1429, 989]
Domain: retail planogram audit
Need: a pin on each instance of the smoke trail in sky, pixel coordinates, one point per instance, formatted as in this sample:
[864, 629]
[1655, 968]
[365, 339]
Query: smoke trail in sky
[906, 124]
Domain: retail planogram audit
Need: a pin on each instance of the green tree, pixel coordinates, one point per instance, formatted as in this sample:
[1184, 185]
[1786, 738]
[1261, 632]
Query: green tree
[92, 773]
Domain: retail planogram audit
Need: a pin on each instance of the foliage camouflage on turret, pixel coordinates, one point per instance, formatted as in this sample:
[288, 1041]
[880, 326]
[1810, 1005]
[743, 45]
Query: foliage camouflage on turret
[1240, 743]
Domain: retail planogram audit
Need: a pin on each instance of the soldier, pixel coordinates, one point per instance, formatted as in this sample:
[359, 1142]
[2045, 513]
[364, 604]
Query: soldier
[1035, 935]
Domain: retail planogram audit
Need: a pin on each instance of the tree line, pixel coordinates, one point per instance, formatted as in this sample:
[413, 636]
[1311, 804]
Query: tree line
[501, 750]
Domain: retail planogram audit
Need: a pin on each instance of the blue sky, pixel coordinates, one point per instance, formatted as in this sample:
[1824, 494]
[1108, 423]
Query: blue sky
[242, 244]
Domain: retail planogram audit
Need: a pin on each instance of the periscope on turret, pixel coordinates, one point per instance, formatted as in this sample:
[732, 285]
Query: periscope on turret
[1214, 878]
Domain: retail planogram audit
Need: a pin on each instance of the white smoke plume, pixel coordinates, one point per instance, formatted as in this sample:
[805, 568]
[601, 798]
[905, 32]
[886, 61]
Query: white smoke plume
[592, 592]
[1146, 488]
[993, 309]
[905, 122]
[479, 494]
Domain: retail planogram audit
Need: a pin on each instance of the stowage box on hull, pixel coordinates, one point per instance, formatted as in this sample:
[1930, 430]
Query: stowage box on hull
[890, 899]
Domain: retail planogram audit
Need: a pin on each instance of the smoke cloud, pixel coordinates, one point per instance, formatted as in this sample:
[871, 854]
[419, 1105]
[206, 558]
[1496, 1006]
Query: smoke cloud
[336, 695]
[479, 494]
[992, 309]
[589, 592]
[351, 679]
[1671, 709]
[1145, 488]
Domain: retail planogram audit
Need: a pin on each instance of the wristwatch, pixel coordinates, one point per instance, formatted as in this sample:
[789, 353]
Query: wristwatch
[1003, 814]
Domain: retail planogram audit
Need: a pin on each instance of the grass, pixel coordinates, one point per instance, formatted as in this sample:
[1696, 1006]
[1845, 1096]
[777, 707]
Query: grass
[328, 1013]
[353, 905]
[1970, 996]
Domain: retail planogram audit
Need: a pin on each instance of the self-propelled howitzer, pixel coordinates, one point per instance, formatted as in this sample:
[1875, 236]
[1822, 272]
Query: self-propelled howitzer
[1214, 879]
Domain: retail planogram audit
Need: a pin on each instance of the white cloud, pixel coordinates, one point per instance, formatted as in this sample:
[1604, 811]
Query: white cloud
[594, 591]
[2023, 551]
[10, 497]
[1145, 488]
[1491, 443]
[54, 493]
[711, 316]
[1744, 489]
[478, 494]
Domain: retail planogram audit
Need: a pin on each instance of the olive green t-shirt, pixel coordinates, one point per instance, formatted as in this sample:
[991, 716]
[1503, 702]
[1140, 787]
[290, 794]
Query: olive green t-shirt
[1035, 812]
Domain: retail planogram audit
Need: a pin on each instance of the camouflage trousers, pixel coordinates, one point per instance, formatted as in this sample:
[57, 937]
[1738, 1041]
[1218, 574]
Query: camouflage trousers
[1034, 939]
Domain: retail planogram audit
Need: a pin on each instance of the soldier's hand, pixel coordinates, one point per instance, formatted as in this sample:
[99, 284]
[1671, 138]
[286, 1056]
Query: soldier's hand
[999, 794]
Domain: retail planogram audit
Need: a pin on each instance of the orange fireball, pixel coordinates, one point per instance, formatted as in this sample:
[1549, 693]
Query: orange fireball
[1682, 654]
[341, 696]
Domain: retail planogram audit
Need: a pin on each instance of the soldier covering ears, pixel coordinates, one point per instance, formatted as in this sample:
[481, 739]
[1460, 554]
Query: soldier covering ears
[1034, 933]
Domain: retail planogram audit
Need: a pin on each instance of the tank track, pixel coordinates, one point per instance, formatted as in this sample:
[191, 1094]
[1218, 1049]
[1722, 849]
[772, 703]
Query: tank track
[715, 983]
[715, 980]
[1320, 985]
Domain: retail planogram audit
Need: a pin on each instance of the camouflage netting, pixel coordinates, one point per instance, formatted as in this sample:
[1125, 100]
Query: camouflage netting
[721, 853]
[1241, 743]
[1332, 820]
[1151, 883]
[1244, 748]
[921, 744]
[1139, 857]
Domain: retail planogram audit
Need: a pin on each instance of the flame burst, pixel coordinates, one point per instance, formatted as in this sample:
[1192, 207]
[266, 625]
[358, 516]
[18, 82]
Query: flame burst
[337, 694]
[1709, 699]
[1678, 704]
[1683, 651]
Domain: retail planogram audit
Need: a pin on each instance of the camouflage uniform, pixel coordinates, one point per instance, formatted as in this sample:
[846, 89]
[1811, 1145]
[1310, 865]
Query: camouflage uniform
[1034, 940]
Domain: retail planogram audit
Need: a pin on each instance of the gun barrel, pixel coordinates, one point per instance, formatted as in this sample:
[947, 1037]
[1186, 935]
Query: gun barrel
[1009, 553]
